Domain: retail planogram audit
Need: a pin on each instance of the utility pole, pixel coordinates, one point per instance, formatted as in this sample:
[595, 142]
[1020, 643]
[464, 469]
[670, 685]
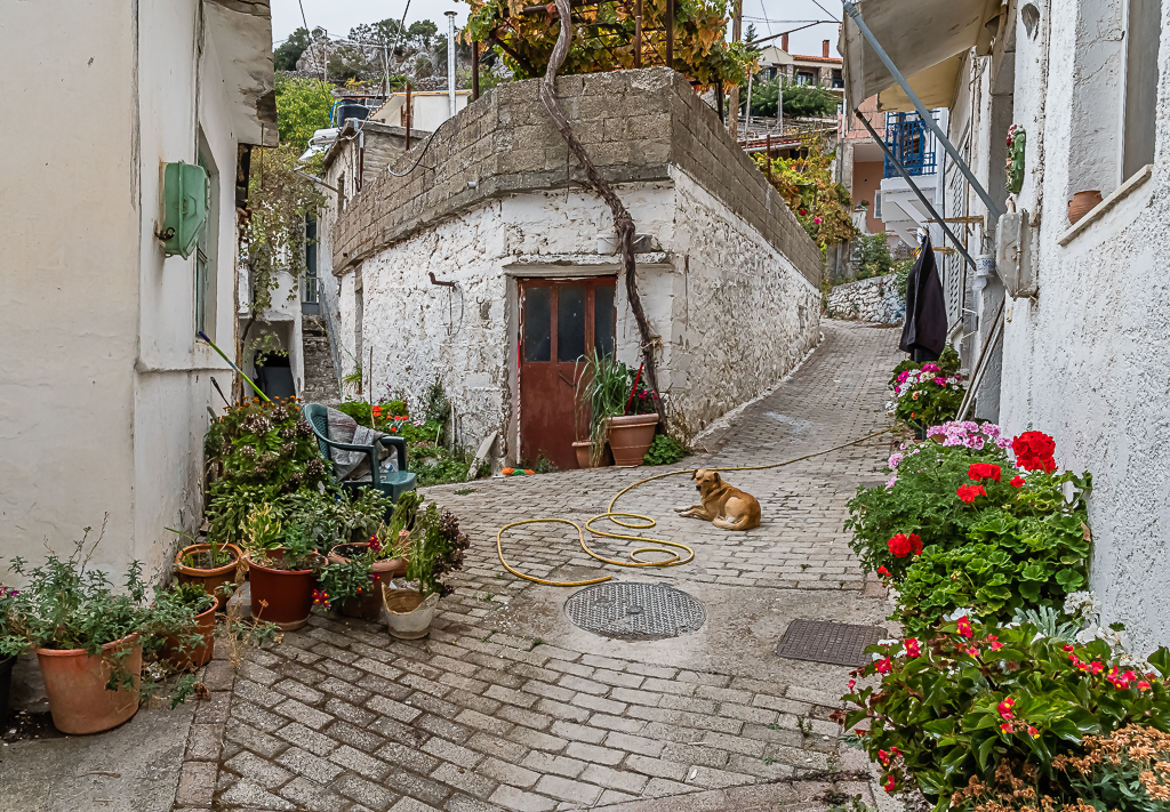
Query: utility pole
[733, 94]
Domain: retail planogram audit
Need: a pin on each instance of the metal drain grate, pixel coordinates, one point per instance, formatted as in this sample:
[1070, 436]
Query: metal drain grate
[825, 642]
[635, 611]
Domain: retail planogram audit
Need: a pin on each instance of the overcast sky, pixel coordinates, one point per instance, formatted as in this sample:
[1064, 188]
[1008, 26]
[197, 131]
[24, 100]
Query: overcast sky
[338, 16]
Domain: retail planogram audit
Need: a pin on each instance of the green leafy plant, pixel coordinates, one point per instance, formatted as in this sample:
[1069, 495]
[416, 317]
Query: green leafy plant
[437, 548]
[873, 256]
[302, 107]
[602, 389]
[664, 450]
[806, 182]
[172, 617]
[272, 542]
[342, 581]
[972, 698]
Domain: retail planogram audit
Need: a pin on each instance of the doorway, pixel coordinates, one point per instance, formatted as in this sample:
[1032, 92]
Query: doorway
[560, 320]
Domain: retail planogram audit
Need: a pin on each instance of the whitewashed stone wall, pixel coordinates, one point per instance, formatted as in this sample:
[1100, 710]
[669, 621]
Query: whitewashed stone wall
[875, 300]
[733, 314]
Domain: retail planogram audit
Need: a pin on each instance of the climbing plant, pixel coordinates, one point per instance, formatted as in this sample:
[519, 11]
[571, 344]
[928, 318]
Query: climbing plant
[603, 38]
[805, 180]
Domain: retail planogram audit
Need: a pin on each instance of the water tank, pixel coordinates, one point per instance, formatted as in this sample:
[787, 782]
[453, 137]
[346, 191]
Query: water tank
[349, 108]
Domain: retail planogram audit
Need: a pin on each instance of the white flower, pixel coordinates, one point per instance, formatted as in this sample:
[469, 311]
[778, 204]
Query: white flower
[958, 613]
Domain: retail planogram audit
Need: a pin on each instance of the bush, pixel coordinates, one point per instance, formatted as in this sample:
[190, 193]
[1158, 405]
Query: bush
[972, 699]
[926, 395]
[873, 256]
[664, 450]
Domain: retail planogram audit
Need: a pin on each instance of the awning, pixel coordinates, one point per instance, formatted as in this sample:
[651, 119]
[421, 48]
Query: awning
[926, 39]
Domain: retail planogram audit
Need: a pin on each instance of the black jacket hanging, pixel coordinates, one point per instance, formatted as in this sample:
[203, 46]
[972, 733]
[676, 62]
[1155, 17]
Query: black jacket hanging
[925, 332]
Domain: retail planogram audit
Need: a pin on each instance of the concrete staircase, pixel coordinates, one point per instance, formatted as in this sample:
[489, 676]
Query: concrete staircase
[320, 377]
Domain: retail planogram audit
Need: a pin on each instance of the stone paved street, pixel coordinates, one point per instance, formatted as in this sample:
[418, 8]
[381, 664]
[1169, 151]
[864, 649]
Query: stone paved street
[508, 705]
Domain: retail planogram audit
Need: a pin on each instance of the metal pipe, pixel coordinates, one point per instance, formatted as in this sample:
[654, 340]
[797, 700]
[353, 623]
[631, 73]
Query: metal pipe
[853, 11]
[475, 70]
[670, 35]
[451, 60]
[408, 117]
[914, 187]
[637, 33]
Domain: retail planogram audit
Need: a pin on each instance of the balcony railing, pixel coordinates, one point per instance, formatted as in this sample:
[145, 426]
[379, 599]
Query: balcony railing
[911, 142]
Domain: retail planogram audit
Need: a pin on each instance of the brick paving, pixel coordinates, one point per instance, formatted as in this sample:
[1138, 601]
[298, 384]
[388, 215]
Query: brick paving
[507, 705]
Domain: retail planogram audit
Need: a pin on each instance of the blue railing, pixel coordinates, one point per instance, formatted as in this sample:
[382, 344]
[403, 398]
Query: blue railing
[911, 142]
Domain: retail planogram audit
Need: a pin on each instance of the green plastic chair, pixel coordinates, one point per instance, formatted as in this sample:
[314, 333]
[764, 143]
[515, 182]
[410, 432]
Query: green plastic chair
[391, 483]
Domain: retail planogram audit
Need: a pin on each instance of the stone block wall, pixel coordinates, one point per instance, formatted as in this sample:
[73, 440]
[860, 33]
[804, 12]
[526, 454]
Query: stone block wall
[875, 300]
[634, 124]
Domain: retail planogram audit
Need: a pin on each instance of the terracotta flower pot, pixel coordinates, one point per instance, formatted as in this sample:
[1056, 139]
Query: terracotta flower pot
[630, 437]
[408, 613]
[6, 665]
[369, 606]
[212, 578]
[1082, 203]
[75, 682]
[177, 651]
[283, 597]
[584, 451]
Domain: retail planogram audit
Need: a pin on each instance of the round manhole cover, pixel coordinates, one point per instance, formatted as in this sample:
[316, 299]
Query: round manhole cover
[635, 611]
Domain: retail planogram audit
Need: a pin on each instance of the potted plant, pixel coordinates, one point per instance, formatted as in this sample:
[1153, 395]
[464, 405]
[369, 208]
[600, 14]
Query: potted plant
[85, 635]
[352, 580]
[632, 431]
[436, 549]
[602, 386]
[7, 660]
[211, 565]
[282, 564]
[183, 620]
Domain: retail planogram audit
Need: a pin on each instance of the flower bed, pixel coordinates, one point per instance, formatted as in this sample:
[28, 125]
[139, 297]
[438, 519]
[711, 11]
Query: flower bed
[992, 699]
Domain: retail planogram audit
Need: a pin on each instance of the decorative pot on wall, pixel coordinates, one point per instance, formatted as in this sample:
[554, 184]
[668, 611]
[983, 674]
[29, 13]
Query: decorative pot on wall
[1082, 203]
[630, 437]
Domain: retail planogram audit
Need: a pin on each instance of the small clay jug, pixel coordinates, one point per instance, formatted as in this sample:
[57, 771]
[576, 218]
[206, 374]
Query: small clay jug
[1082, 203]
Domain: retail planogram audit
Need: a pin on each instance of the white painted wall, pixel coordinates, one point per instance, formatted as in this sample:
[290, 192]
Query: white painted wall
[1089, 360]
[105, 391]
[712, 269]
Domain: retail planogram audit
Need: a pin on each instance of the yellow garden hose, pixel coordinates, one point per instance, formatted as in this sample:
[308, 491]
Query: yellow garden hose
[637, 521]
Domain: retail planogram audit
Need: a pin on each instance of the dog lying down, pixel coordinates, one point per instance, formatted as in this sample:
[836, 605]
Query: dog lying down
[725, 506]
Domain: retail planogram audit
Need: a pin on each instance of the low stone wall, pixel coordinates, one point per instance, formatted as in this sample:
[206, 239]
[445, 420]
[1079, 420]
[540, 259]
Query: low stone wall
[875, 300]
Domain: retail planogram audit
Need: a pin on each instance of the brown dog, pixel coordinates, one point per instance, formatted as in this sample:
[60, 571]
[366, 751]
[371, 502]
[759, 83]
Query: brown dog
[725, 506]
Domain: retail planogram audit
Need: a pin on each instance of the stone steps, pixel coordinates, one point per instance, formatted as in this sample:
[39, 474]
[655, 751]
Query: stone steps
[320, 377]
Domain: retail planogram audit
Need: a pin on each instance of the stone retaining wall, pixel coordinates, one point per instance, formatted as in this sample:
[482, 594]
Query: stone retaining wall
[876, 300]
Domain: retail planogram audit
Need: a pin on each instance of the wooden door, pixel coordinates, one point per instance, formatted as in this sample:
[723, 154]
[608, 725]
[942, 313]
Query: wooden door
[559, 320]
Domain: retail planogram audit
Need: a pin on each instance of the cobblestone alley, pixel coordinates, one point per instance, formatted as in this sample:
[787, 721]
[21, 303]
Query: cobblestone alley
[509, 705]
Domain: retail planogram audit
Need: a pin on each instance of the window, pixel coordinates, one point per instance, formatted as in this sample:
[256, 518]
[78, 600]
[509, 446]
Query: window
[205, 250]
[1142, 40]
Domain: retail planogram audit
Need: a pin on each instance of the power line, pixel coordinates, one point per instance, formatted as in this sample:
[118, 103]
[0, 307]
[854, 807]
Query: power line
[817, 3]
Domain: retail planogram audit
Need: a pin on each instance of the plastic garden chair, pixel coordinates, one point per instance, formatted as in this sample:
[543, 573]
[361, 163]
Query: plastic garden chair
[391, 483]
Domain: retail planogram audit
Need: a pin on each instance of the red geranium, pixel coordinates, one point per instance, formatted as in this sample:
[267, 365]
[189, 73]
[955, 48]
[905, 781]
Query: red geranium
[968, 492]
[1033, 450]
[983, 470]
[1017, 481]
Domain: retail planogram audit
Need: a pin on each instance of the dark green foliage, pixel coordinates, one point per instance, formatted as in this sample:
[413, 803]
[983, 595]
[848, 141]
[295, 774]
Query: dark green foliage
[873, 256]
[437, 547]
[664, 450]
[288, 52]
[800, 101]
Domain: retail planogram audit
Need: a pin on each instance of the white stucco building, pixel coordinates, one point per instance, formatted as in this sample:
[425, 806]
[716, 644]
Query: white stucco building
[1081, 347]
[105, 390]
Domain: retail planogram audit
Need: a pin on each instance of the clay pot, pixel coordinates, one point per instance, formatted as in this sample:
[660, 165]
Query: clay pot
[177, 651]
[6, 665]
[584, 451]
[369, 606]
[630, 437]
[283, 597]
[1082, 203]
[212, 578]
[408, 613]
[75, 682]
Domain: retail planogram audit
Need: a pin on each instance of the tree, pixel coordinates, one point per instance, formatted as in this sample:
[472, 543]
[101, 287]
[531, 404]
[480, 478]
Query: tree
[603, 39]
[422, 32]
[286, 55]
[809, 101]
[302, 106]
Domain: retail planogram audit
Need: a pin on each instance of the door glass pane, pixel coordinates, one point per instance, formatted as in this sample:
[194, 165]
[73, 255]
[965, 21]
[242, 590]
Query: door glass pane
[603, 332]
[570, 323]
[537, 335]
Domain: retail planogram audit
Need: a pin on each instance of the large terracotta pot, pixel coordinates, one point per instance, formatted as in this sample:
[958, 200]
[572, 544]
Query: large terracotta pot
[369, 606]
[584, 451]
[630, 437]
[177, 651]
[283, 597]
[1082, 203]
[75, 682]
[408, 613]
[212, 578]
[6, 665]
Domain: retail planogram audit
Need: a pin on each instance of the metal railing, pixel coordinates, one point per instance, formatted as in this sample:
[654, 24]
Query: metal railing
[910, 141]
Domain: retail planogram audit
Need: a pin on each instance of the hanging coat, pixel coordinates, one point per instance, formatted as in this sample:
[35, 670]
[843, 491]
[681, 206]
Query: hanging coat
[925, 332]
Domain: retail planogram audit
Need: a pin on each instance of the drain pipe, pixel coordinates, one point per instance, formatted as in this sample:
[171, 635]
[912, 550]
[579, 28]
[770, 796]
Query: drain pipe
[451, 60]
